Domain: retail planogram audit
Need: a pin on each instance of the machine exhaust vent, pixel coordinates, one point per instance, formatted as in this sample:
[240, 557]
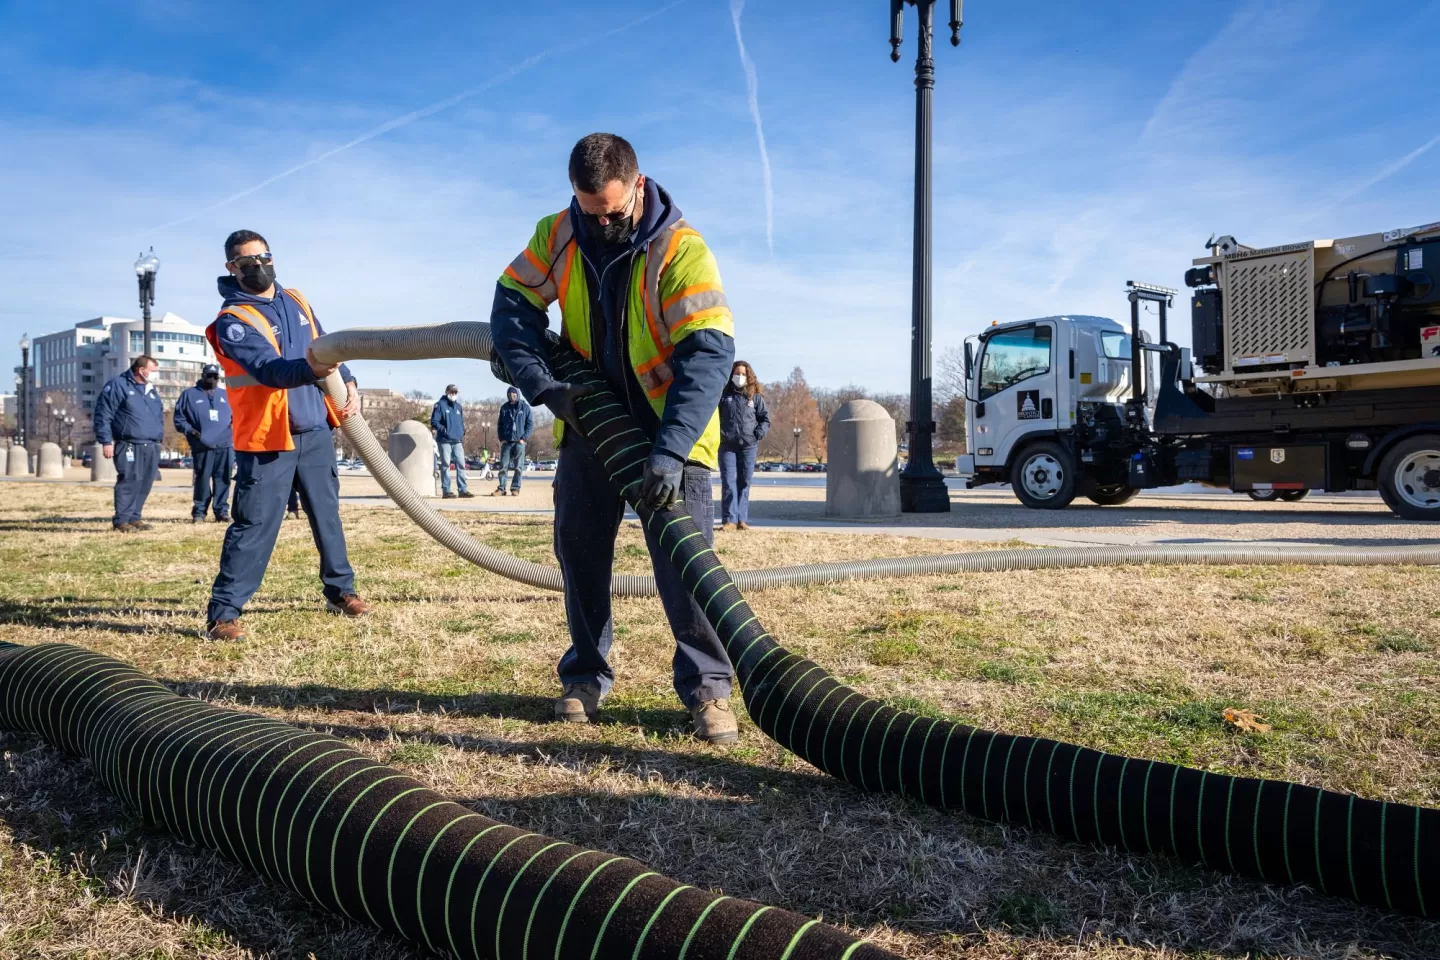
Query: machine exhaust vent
[1269, 309]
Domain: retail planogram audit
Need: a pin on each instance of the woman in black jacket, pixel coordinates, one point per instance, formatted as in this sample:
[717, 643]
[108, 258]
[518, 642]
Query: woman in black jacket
[744, 421]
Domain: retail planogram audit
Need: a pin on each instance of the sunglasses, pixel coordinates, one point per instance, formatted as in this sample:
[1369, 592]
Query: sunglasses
[605, 219]
[265, 258]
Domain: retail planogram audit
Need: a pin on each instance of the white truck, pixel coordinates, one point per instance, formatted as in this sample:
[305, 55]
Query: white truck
[1318, 368]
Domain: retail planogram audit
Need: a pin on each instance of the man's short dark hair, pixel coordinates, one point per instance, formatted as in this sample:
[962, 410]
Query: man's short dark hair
[600, 158]
[238, 239]
[141, 362]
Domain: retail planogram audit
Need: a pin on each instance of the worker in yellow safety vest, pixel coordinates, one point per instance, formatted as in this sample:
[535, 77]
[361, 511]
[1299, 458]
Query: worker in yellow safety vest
[640, 298]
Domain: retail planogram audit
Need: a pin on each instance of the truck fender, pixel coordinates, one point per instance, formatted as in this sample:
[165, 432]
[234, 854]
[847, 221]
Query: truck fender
[1028, 439]
[1372, 462]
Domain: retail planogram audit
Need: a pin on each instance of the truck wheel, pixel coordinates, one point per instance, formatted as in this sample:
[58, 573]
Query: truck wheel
[1043, 476]
[1410, 477]
[1265, 496]
[1292, 496]
[1112, 495]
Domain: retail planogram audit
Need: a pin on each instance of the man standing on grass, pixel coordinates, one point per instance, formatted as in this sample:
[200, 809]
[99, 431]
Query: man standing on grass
[640, 297]
[202, 416]
[447, 423]
[514, 426]
[129, 424]
[282, 429]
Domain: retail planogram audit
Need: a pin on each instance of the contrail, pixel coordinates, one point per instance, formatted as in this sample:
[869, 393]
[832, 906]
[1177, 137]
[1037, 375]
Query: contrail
[424, 112]
[1389, 171]
[752, 87]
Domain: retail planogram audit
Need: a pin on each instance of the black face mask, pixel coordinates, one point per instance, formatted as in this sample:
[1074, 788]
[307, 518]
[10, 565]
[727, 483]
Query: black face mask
[208, 383]
[257, 277]
[612, 234]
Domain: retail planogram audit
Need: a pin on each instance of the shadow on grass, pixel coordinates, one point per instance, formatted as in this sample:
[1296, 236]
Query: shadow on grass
[60, 615]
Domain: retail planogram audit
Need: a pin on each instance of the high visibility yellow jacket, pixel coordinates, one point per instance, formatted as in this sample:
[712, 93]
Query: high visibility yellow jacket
[674, 291]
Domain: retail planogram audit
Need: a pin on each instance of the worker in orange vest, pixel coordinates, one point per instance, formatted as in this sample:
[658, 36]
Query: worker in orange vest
[282, 424]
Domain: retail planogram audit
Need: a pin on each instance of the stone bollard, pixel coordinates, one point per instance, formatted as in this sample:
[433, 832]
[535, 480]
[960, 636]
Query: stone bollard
[51, 462]
[4, 459]
[18, 463]
[101, 469]
[412, 450]
[862, 478]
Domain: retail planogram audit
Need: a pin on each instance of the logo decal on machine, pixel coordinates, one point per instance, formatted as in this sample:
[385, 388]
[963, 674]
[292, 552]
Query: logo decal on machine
[1277, 455]
[1430, 342]
[1027, 403]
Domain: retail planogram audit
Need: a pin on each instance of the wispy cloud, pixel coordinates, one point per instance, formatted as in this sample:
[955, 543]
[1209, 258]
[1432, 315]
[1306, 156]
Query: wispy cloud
[420, 114]
[1389, 171]
[752, 89]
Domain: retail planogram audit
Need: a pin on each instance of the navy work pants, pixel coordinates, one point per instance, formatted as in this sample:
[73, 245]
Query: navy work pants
[262, 486]
[512, 457]
[212, 481]
[737, 466]
[136, 465]
[588, 511]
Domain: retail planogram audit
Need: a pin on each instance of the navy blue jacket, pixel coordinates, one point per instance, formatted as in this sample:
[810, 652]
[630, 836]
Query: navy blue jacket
[515, 422]
[129, 412]
[744, 421]
[447, 419]
[701, 362]
[192, 418]
[289, 370]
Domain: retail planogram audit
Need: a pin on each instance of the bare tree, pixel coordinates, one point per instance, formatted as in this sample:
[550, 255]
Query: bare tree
[792, 405]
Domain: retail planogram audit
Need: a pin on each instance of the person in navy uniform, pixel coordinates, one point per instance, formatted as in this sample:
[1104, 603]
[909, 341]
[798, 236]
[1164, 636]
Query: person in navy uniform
[129, 424]
[282, 425]
[202, 415]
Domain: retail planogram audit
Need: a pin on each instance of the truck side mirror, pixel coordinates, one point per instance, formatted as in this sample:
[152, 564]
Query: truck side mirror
[969, 361]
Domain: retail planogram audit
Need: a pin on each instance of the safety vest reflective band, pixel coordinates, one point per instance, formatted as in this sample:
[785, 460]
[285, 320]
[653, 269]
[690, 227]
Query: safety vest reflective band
[675, 290]
[260, 415]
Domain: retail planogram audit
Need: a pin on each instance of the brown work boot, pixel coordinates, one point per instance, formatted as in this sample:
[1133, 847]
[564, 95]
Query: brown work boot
[349, 606]
[578, 704]
[714, 722]
[124, 528]
[231, 630]
[742, 525]
[727, 527]
[141, 525]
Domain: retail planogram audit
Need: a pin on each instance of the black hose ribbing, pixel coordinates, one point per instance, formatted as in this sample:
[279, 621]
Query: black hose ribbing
[371, 843]
[1384, 854]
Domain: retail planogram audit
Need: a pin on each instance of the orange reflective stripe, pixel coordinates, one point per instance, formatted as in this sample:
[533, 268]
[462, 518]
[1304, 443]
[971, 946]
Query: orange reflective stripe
[690, 291]
[249, 315]
[706, 314]
[654, 362]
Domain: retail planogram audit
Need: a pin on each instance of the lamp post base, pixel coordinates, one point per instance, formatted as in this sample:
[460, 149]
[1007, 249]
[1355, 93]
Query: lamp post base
[924, 494]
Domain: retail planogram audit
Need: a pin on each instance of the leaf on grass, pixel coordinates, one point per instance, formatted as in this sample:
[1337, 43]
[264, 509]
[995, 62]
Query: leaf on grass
[1245, 720]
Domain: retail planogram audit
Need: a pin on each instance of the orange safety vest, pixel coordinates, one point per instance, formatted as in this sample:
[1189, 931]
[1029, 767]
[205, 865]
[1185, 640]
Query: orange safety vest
[260, 415]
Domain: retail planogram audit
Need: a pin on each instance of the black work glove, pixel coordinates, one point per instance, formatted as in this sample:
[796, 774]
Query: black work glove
[560, 400]
[664, 479]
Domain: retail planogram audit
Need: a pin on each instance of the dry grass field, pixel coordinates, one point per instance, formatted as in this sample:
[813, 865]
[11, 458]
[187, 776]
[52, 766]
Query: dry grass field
[450, 681]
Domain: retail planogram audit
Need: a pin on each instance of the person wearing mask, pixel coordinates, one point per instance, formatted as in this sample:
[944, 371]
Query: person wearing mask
[744, 422]
[202, 415]
[129, 424]
[513, 426]
[640, 297]
[282, 427]
[447, 423]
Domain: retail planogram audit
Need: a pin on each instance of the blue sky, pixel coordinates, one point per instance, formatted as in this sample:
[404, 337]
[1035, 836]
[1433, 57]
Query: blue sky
[1078, 145]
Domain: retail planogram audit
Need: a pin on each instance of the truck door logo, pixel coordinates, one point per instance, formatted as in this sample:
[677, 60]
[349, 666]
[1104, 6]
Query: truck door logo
[1277, 455]
[1028, 404]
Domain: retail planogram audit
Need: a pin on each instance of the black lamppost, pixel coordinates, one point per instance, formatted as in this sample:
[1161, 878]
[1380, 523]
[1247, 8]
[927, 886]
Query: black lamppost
[796, 461]
[23, 420]
[69, 436]
[922, 488]
[145, 269]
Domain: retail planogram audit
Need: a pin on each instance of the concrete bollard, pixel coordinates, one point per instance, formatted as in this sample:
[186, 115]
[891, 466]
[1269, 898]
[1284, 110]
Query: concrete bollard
[18, 463]
[50, 462]
[101, 469]
[862, 478]
[412, 450]
[4, 459]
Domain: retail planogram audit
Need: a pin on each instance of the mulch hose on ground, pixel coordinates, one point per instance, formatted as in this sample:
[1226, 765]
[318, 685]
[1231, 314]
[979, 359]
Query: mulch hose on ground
[370, 843]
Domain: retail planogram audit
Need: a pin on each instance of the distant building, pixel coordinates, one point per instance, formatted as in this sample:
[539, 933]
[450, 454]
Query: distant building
[77, 362]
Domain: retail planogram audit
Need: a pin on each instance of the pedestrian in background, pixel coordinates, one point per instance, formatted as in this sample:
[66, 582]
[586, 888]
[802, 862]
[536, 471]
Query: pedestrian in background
[129, 424]
[513, 427]
[744, 422]
[202, 416]
[447, 422]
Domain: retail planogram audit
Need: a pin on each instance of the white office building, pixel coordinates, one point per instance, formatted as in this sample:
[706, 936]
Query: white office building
[77, 362]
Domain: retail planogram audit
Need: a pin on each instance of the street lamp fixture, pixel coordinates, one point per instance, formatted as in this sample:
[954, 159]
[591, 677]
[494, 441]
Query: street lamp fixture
[922, 488]
[146, 266]
[22, 390]
[796, 460]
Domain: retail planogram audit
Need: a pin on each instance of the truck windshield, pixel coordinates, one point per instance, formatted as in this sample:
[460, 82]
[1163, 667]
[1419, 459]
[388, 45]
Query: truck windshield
[1115, 345]
[1012, 356]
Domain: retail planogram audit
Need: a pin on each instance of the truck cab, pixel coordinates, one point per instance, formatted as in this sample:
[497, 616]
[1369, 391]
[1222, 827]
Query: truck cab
[1047, 405]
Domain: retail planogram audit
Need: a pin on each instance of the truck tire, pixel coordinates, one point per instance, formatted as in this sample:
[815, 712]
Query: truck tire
[1112, 495]
[1264, 496]
[1294, 496]
[1043, 476]
[1409, 478]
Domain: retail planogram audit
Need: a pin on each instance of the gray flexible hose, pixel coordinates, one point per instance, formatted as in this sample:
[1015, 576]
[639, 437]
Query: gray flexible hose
[471, 339]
